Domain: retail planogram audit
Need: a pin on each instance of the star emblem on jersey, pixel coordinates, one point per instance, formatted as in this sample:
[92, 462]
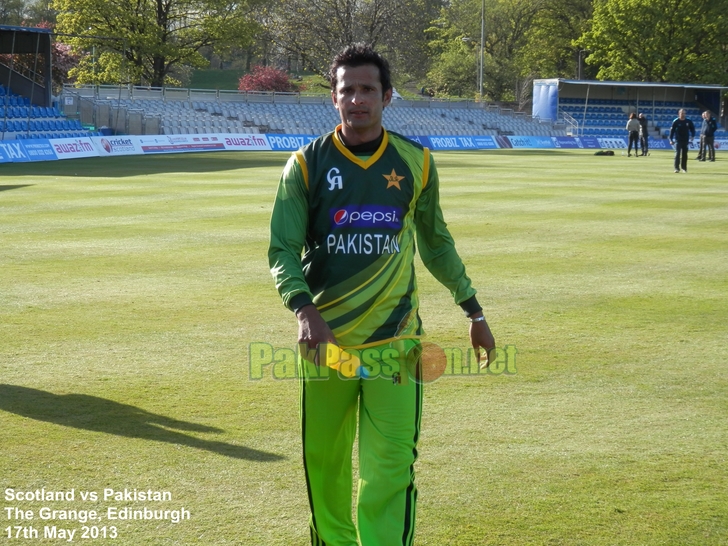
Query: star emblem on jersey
[393, 179]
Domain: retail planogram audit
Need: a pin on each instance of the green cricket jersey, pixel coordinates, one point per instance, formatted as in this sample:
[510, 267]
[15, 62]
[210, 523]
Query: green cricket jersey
[357, 220]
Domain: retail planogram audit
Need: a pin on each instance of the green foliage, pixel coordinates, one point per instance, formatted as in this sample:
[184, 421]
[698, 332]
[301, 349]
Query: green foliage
[660, 40]
[505, 29]
[435, 42]
[454, 72]
[143, 41]
[454, 68]
[38, 11]
[11, 12]
[550, 51]
[315, 30]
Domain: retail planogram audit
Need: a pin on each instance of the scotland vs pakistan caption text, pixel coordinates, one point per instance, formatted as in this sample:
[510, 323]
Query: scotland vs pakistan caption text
[71, 515]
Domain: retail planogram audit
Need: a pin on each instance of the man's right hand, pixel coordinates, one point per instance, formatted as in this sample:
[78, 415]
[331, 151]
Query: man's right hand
[312, 328]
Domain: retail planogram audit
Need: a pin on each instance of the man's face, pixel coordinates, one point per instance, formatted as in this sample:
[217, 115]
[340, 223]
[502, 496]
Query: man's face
[681, 114]
[358, 98]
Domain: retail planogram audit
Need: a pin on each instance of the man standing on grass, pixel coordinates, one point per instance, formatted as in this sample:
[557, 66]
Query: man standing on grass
[644, 134]
[707, 137]
[701, 142]
[355, 201]
[682, 133]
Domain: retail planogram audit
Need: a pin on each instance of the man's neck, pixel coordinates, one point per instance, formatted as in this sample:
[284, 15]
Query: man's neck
[369, 146]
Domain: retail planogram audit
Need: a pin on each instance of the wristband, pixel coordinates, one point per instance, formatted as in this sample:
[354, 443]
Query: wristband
[477, 319]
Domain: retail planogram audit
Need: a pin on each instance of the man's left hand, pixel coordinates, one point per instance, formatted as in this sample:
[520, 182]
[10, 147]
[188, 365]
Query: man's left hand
[481, 338]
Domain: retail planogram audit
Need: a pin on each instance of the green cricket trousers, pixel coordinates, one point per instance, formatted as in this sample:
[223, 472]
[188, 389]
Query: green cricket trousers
[389, 409]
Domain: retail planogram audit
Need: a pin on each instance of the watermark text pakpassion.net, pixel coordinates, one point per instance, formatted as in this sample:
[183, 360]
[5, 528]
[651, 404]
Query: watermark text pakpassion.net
[426, 362]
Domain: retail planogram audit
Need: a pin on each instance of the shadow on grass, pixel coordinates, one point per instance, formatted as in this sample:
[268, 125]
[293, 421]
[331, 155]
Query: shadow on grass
[14, 187]
[100, 415]
[124, 166]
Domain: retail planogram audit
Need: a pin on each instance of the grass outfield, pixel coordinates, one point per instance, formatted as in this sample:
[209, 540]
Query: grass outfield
[131, 288]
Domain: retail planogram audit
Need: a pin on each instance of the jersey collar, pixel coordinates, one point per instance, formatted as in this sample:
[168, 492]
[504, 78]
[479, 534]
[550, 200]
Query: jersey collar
[363, 163]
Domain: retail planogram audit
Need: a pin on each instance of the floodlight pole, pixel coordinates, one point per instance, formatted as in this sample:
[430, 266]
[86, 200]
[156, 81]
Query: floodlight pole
[482, 45]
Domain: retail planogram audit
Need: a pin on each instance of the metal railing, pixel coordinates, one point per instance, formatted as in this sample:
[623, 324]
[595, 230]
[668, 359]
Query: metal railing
[129, 92]
[571, 124]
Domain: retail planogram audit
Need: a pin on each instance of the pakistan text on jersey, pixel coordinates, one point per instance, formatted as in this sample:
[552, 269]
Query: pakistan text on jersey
[362, 243]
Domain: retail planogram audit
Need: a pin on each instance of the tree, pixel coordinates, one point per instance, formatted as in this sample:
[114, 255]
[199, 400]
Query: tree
[454, 68]
[38, 12]
[550, 50]
[143, 41]
[64, 60]
[659, 40]
[11, 12]
[506, 26]
[314, 30]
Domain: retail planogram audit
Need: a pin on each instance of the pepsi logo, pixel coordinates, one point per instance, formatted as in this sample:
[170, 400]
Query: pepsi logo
[340, 217]
[365, 216]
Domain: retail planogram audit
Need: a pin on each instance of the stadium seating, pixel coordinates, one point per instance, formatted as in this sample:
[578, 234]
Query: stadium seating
[21, 120]
[194, 117]
[608, 118]
[314, 116]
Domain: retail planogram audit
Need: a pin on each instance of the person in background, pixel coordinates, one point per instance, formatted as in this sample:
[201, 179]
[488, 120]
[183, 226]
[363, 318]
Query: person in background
[707, 137]
[701, 144]
[633, 126]
[682, 133]
[644, 134]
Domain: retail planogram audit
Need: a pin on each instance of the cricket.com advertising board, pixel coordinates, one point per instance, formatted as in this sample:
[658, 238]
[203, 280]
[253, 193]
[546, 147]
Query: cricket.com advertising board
[170, 144]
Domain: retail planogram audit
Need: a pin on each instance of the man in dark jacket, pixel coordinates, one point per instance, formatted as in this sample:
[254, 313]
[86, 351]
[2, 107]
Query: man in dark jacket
[707, 137]
[701, 144]
[644, 134]
[682, 133]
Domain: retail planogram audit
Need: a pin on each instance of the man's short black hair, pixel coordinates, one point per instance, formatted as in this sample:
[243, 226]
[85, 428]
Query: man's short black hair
[357, 55]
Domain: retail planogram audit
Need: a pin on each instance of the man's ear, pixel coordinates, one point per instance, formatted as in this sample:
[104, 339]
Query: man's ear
[387, 97]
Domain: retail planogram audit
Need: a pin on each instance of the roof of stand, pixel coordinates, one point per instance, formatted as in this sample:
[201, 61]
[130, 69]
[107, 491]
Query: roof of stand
[610, 83]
